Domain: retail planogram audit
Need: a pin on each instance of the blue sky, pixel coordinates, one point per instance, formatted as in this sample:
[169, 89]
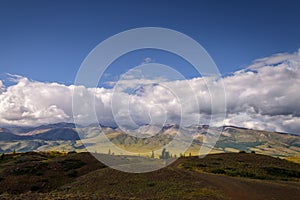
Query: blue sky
[48, 40]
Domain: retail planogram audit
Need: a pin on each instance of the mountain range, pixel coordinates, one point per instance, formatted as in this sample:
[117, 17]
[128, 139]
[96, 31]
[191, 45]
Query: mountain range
[67, 137]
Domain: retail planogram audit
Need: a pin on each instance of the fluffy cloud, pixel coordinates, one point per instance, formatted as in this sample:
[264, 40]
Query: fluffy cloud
[266, 94]
[29, 102]
[1, 86]
[263, 96]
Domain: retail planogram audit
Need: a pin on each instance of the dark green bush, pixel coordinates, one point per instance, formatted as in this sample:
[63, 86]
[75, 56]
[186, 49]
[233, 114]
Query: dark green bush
[240, 173]
[151, 184]
[34, 188]
[72, 173]
[71, 164]
[201, 165]
[218, 171]
[187, 166]
[276, 171]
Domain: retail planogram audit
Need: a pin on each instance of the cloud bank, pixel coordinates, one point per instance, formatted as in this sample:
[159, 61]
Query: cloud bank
[263, 96]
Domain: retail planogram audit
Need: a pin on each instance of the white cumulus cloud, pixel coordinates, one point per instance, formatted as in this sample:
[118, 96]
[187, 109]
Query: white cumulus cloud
[263, 96]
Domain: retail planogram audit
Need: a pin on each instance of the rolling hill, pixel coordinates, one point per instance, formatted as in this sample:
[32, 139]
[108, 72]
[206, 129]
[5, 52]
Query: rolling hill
[235, 176]
[65, 137]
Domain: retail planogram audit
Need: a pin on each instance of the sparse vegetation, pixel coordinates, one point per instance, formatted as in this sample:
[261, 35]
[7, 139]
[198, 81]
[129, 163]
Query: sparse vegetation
[44, 171]
[165, 154]
[152, 154]
[246, 165]
[282, 172]
[79, 176]
[218, 171]
[71, 164]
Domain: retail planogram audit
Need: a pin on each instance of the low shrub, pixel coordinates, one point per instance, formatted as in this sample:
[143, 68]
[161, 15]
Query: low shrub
[218, 171]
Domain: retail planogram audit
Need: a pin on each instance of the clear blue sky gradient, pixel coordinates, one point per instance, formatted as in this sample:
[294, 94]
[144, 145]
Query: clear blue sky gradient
[48, 40]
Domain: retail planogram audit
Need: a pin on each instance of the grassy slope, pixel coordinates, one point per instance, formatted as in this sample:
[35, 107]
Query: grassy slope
[80, 176]
[232, 139]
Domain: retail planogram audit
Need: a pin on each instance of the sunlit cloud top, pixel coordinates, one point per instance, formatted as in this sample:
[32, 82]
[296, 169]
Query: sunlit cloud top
[265, 96]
